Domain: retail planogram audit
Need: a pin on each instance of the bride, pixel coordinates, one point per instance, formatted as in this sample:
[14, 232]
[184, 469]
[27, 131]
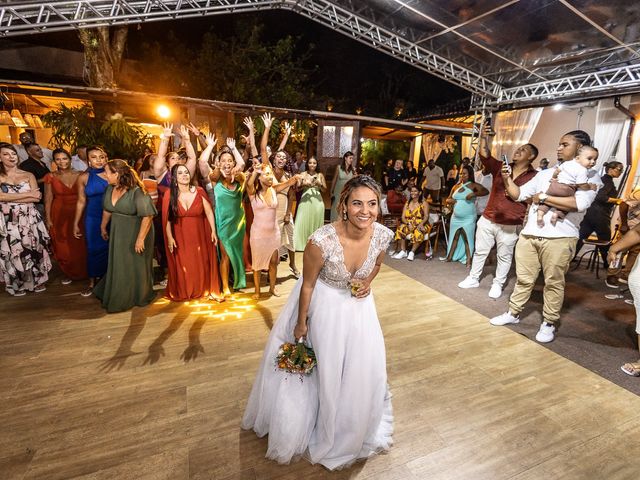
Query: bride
[341, 411]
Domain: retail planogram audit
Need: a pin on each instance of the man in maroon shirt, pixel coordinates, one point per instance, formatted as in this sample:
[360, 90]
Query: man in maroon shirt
[502, 218]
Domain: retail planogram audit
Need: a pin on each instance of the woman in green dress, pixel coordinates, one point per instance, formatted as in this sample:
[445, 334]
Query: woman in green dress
[129, 278]
[310, 215]
[228, 189]
[344, 172]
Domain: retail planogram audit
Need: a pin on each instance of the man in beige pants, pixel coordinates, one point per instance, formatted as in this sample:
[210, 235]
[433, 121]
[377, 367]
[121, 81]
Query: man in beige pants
[549, 248]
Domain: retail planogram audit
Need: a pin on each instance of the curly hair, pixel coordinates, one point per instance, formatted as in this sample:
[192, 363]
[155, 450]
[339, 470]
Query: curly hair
[357, 182]
[127, 176]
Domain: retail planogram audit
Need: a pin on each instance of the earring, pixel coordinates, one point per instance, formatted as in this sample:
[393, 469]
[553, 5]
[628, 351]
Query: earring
[344, 215]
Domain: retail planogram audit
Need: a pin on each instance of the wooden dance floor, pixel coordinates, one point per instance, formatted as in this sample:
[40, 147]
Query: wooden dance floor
[158, 393]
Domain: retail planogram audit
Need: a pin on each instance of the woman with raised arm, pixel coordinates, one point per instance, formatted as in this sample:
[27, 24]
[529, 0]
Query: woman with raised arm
[24, 259]
[286, 202]
[162, 165]
[340, 412]
[265, 233]
[228, 188]
[344, 172]
[91, 187]
[127, 224]
[462, 229]
[190, 237]
[310, 214]
[60, 201]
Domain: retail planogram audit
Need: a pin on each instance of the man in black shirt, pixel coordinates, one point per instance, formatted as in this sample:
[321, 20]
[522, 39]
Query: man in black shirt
[397, 176]
[36, 165]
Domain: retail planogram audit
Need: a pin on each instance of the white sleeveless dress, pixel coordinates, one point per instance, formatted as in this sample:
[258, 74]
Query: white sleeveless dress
[341, 412]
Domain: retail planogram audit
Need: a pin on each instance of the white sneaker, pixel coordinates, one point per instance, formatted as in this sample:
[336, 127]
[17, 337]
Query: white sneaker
[391, 252]
[504, 319]
[546, 333]
[410, 256]
[400, 255]
[495, 291]
[469, 282]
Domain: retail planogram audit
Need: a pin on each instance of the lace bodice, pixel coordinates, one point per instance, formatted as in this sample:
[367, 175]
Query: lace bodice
[334, 272]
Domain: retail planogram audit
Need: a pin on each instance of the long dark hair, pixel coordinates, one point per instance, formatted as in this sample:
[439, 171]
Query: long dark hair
[174, 191]
[8, 146]
[420, 198]
[127, 176]
[352, 167]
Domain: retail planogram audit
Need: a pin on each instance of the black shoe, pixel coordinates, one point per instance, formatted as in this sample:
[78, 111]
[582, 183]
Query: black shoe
[611, 282]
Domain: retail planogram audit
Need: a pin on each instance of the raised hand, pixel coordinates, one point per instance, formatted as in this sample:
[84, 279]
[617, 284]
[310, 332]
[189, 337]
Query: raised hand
[184, 132]
[193, 129]
[248, 121]
[287, 128]
[167, 130]
[211, 140]
[267, 120]
[231, 143]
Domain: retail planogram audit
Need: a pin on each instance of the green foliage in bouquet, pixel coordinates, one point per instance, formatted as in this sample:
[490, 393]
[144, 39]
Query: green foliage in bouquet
[296, 358]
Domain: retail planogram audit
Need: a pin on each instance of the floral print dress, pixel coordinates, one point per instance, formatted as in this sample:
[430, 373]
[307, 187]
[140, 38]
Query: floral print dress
[24, 243]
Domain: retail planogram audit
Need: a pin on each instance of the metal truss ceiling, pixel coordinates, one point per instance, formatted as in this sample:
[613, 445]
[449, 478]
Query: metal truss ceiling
[486, 49]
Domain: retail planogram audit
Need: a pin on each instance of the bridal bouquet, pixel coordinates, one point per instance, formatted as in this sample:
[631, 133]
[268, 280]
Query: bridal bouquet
[296, 358]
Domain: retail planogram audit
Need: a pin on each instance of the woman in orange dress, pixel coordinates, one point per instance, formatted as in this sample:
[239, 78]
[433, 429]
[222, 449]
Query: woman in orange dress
[190, 239]
[60, 198]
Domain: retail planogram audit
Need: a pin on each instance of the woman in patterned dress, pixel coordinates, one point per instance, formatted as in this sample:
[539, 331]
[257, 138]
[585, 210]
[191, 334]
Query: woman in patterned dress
[24, 258]
[414, 226]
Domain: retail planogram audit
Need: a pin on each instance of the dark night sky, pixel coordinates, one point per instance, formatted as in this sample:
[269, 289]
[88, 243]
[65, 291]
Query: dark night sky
[347, 69]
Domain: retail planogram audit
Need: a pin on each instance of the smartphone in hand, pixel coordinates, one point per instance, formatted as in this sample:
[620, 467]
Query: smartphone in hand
[505, 164]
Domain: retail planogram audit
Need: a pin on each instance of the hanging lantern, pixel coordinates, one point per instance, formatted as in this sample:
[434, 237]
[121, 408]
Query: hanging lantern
[5, 118]
[18, 121]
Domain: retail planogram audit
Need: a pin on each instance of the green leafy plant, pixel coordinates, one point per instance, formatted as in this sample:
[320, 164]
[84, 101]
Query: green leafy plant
[74, 126]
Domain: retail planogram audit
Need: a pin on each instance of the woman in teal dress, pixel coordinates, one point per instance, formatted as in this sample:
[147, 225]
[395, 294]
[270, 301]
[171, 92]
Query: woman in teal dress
[345, 172]
[228, 189]
[130, 211]
[462, 228]
[310, 215]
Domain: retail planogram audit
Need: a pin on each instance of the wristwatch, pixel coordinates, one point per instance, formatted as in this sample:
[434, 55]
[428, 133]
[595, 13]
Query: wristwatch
[542, 198]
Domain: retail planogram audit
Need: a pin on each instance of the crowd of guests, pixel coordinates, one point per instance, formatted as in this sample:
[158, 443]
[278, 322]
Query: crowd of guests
[537, 217]
[206, 219]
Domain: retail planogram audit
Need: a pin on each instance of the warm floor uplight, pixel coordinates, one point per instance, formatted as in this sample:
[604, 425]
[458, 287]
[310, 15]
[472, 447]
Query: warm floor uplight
[234, 309]
[163, 112]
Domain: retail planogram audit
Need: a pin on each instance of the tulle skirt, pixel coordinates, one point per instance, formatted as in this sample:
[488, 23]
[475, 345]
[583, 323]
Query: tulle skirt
[339, 413]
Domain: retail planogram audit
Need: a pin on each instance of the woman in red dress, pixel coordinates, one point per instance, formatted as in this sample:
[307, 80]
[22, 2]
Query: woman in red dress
[60, 198]
[190, 240]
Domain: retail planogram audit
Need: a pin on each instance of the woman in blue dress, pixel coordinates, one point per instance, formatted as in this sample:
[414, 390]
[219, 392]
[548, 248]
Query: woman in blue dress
[91, 187]
[462, 228]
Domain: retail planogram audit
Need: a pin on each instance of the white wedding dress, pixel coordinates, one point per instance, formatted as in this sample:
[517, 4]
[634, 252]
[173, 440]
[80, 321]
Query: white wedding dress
[341, 412]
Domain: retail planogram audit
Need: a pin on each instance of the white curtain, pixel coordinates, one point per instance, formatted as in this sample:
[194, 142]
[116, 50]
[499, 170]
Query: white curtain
[432, 147]
[513, 129]
[610, 123]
